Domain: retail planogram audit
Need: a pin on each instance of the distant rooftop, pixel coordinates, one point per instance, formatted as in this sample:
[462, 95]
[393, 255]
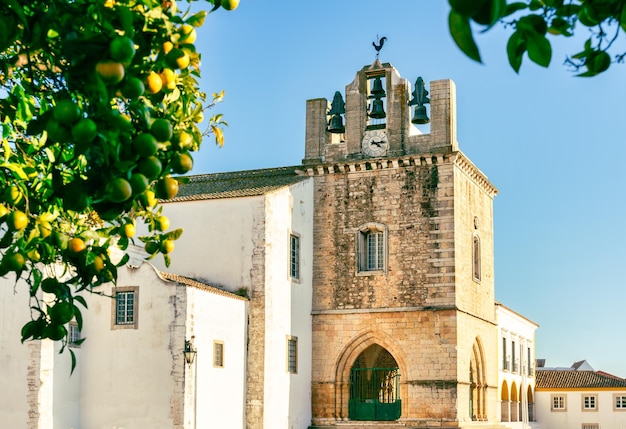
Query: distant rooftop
[237, 184]
[577, 379]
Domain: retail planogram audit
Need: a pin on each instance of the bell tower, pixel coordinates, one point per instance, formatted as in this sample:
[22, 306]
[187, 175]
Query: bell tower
[379, 103]
[403, 291]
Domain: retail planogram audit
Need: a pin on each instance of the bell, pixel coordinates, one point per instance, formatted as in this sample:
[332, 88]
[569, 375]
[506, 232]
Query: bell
[377, 90]
[336, 125]
[420, 116]
[378, 111]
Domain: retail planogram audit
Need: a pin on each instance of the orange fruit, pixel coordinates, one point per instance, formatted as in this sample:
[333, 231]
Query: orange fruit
[167, 188]
[167, 246]
[66, 112]
[111, 72]
[154, 82]
[168, 79]
[14, 262]
[167, 46]
[182, 140]
[50, 285]
[151, 247]
[76, 245]
[162, 223]
[139, 183]
[129, 230]
[133, 87]
[182, 163]
[17, 220]
[12, 195]
[122, 49]
[187, 34]
[119, 190]
[229, 4]
[3, 211]
[58, 132]
[150, 167]
[61, 240]
[84, 131]
[145, 145]
[98, 263]
[61, 312]
[177, 59]
[162, 129]
[149, 199]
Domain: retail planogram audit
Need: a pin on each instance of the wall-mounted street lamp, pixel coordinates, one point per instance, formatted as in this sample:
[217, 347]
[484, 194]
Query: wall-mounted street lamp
[189, 351]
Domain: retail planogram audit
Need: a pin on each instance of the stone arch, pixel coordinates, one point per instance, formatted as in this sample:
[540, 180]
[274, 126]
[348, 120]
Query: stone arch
[531, 404]
[515, 402]
[478, 382]
[505, 403]
[349, 355]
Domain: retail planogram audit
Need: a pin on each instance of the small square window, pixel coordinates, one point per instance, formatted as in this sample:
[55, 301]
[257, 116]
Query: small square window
[590, 402]
[558, 403]
[292, 355]
[218, 354]
[620, 402]
[294, 256]
[125, 308]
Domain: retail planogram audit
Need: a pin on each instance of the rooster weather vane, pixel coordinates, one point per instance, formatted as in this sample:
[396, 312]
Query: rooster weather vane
[380, 44]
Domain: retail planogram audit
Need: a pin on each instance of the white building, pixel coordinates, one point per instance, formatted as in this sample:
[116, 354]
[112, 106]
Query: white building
[516, 367]
[580, 398]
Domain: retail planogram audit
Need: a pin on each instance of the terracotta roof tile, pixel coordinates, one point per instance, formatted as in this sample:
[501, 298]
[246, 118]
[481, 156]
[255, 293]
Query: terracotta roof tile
[199, 285]
[572, 379]
[237, 184]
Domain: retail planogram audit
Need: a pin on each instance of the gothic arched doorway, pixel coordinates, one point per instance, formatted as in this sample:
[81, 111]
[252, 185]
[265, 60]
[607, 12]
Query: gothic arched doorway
[375, 386]
[478, 383]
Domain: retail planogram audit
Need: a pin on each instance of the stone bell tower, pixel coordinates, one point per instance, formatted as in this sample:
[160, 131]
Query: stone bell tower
[404, 327]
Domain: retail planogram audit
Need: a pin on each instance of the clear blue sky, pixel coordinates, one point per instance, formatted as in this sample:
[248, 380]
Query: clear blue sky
[553, 145]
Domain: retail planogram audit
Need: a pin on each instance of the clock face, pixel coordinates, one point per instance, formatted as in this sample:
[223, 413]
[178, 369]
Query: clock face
[375, 143]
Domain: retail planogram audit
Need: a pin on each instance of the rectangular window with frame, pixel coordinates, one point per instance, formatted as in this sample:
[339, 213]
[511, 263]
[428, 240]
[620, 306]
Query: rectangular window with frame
[558, 403]
[292, 355]
[619, 402]
[372, 248]
[590, 402]
[125, 307]
[505, 358]
[74, 335]
[218, 354]
[294, 256]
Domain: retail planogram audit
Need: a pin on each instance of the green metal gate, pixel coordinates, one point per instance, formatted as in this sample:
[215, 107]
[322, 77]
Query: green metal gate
[375, 394]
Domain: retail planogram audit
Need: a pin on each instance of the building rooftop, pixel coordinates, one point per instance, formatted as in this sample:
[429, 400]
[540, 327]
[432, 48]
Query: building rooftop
[237, 184]
[576, 379]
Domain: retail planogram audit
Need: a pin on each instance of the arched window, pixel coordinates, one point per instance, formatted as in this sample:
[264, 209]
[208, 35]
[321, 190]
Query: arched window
[476, 262]
[372, 248]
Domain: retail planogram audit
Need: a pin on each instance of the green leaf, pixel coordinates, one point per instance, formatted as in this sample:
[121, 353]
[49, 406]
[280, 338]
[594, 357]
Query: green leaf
[622, 18]
[73, 356]
[461, 33]
[515, 49]
[81, 300]
[514, 7]
[174, 235]
[539, 49]
[197, 20]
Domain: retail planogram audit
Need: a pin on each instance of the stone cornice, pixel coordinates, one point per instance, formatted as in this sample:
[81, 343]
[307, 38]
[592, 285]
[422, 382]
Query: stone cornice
[360, 165]
[468, 167]
[354, 166]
